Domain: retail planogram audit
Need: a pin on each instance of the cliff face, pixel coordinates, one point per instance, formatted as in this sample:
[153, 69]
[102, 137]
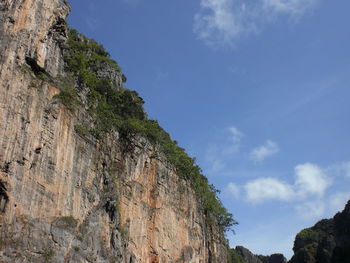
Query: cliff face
[65, 197]
[327, 242]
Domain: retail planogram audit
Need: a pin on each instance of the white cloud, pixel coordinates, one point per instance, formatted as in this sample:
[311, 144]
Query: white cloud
[216, 165]
[310, 179]
[218, 153]
[233, 190]
[260, 153]
[235, 140]
[292, 7]
[264, 189]
[236, 134]
[221, 22]
[340, 169]
[311, 210]
[346, 168]
[338, 201]
[132, 2]
[161, 75]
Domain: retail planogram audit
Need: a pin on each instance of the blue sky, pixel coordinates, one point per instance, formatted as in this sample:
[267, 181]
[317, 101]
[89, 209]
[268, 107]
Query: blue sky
[258, 91]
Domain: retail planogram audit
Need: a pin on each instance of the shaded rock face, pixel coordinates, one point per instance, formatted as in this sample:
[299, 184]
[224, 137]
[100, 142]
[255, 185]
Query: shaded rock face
[274, 258]
[326, 242]
[249, 257]
[65, 198]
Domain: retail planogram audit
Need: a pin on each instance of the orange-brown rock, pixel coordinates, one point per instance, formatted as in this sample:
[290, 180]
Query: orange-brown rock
[67, 198]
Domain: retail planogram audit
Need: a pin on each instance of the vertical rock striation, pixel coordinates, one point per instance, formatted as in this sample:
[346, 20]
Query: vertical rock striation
[65, 197]
[32, 31]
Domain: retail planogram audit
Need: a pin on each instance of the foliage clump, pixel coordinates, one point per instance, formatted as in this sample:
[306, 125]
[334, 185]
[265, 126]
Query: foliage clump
[234, 257]
[69, 221]
[122, 110]
[68, 97]
[48, 254]
[81, 130]
[308, 234]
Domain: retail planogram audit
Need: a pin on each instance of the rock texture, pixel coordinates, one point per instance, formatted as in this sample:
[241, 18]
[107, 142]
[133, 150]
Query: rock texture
[32, 31]
[67, 198]
[326, 242]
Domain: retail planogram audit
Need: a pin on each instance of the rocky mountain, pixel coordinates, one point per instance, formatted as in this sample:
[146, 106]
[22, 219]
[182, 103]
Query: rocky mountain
[243, 255]
[85, 176]
[326, 242]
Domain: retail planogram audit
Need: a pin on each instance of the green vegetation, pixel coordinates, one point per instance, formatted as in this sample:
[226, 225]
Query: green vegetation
[81, 130]
[69, 221]
[124, 232]
[48, 254]
[85, 52]
[114, 259]
[234, 257]
[308, 253]
[76, 248]
[122, 110]
[68, 96]
[308, 234]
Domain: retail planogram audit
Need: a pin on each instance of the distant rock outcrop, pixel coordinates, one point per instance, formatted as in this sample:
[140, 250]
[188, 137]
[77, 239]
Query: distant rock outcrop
[326, 242]
[243, 255]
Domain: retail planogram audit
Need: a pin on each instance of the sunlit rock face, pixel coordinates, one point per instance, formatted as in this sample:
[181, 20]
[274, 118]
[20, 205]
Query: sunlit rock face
[32, 30]
[71, 198]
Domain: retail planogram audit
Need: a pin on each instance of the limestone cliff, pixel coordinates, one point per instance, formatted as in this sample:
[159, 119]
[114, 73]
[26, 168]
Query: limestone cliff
[326, 242]
[69, 196]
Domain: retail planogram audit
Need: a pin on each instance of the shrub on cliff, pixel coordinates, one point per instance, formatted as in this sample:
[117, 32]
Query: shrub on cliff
[234, 257]
[68, 97]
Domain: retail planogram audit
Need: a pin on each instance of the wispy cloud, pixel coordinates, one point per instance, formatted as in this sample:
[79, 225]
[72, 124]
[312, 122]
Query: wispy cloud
[222, 22]
[131, 2]
[235, 139]
[311, 179]
[260, 153]
[340, 169]
[218, 152]
[91, 20]
[337, 201]
[161, 75]
[290, 7]
[346, 168]
[233, 190]
[311, 210]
